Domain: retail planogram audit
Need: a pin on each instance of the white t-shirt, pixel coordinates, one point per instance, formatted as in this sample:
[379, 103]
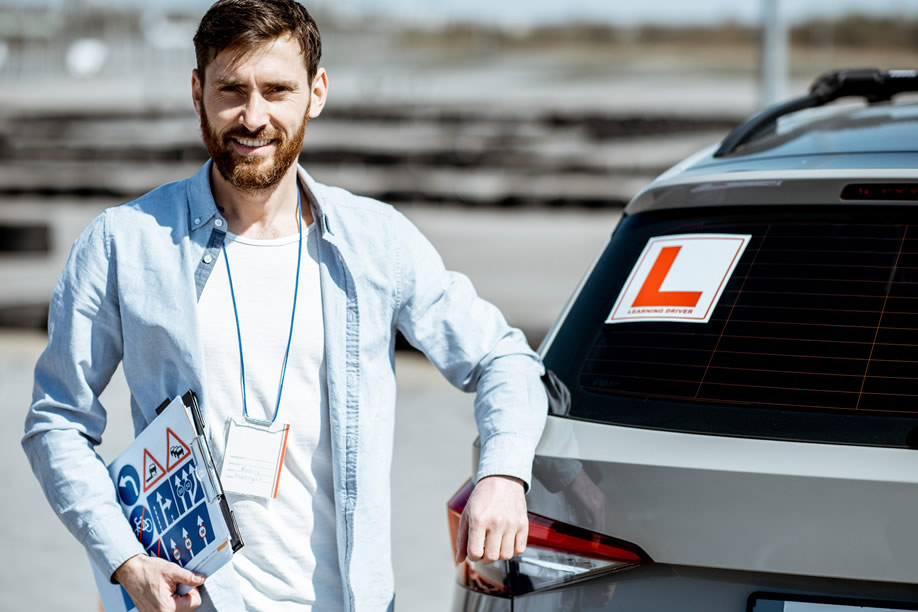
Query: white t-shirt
[290, 557]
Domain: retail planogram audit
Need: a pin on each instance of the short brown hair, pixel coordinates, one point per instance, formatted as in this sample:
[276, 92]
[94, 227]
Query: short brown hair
[242, 25]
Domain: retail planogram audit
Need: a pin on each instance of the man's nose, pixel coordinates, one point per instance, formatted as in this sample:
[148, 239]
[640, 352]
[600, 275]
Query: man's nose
[254, 114]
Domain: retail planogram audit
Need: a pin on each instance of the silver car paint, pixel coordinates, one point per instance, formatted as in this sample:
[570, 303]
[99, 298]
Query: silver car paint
[464, 600]
[760, 187]
[665, 588]
[738, 503]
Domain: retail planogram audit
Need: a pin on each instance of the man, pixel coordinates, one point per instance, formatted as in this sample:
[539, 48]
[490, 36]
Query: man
[193, 285]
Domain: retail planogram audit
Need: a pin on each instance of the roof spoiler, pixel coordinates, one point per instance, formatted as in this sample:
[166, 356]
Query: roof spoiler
[871, 84]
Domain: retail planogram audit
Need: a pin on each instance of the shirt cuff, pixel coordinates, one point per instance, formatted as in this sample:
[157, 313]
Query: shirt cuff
[110, 545]
[506, 455]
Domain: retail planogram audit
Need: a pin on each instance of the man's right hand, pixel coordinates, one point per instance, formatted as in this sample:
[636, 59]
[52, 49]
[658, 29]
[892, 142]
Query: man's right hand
[151, 582]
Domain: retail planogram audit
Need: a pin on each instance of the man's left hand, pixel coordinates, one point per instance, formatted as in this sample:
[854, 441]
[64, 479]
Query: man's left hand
[494, 524]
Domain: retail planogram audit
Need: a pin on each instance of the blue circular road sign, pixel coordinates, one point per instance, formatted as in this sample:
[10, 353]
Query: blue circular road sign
[128, 484]
[142, 524]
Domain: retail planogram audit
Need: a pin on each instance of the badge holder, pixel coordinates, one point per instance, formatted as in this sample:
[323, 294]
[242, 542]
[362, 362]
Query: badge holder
[254, 457]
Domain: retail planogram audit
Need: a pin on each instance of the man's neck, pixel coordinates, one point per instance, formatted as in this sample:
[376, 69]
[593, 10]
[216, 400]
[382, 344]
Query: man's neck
[264, 214]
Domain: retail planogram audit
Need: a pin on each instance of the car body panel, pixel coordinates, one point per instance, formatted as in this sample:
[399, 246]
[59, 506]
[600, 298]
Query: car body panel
[761, 187]
[464, 599]
[667, 588]
[746, 504]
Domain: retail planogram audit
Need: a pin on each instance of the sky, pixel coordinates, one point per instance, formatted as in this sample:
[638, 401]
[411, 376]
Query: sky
[523, 13]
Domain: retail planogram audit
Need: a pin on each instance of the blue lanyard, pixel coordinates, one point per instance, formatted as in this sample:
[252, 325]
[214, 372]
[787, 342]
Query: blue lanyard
[296, 288]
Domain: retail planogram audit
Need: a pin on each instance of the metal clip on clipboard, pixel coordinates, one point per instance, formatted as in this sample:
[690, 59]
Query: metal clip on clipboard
[204, 470]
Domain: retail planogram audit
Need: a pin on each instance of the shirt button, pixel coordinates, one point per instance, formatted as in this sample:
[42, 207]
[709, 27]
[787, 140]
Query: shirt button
[197, 220]
[219, 222]
[208, 259]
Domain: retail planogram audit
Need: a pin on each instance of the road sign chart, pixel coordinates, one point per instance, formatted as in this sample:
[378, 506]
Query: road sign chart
[157, 483]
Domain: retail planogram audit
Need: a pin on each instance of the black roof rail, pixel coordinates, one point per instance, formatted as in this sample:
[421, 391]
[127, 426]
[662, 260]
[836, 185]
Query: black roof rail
[871, 84]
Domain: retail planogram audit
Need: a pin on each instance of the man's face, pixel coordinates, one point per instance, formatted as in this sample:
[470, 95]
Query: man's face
[253, 110]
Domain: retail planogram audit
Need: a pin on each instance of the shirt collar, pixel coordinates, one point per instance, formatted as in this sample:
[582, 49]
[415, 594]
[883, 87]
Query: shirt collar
[201, 204]
[202, 207]
[318, 202]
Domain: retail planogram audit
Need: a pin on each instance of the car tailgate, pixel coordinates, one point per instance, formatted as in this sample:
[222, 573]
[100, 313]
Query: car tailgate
[739, 503]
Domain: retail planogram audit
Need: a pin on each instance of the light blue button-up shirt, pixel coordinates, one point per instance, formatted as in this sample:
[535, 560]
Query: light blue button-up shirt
[129, 294]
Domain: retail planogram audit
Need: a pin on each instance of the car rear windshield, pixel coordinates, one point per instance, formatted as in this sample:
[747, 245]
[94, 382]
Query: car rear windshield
[814, 337]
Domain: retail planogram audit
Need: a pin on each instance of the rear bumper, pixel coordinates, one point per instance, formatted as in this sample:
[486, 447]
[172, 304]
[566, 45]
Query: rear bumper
[671, 588]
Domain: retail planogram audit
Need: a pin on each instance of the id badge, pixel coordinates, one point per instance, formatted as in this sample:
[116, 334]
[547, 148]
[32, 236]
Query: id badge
[254, 457]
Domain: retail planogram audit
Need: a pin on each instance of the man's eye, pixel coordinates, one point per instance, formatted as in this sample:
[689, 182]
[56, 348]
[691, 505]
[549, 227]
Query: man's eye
[229, 89]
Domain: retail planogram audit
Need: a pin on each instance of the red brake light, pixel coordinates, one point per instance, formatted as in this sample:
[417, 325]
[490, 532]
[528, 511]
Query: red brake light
[880, 191]
[556, 552]
[555, 535]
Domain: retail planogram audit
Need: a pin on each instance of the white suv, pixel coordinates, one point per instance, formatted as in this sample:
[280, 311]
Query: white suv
[734, 386]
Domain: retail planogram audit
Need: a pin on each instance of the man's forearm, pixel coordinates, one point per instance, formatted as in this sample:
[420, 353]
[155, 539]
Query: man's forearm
[80, 492]
[510, 410]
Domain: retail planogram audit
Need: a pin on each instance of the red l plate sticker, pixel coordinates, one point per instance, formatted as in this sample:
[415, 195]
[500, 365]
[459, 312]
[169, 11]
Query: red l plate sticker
[679, 278]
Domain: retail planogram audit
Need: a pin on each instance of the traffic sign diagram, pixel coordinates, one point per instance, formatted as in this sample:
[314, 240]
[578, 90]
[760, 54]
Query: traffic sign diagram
[152, 470]
[169, 500]
[159, 550]
[128, 483]
[164, 507]
[186, 488]
[165, 501]
[176, 450]
[142, 523]
[189, 536]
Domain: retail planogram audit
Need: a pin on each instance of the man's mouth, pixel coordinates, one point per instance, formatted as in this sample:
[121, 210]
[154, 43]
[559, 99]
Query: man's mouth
[249, 142]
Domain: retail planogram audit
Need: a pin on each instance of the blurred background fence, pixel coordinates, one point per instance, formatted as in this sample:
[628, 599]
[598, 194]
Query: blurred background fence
[515, 111]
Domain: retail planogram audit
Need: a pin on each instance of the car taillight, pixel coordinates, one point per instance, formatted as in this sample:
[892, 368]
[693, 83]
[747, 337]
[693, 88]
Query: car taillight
[556, 553]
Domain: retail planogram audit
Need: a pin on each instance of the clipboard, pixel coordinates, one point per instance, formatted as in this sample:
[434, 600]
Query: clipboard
[171, 495]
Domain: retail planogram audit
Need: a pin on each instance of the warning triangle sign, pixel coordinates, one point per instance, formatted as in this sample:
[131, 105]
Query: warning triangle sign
[176, 450]
[152, 470]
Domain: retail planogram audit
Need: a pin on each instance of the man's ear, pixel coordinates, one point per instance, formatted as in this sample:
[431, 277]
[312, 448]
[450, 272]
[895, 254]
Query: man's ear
[197, 91]
[318, 93]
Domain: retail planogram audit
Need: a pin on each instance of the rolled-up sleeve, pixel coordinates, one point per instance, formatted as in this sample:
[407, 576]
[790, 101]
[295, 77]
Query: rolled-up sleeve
[66, 419]
[470, 342]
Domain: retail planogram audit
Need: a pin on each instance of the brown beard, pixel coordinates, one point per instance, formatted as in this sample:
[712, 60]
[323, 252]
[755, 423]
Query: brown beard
[247, 173]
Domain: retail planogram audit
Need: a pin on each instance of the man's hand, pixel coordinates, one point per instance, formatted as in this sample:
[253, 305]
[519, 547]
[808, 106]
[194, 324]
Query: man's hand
[151, 583]
[494, 524]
